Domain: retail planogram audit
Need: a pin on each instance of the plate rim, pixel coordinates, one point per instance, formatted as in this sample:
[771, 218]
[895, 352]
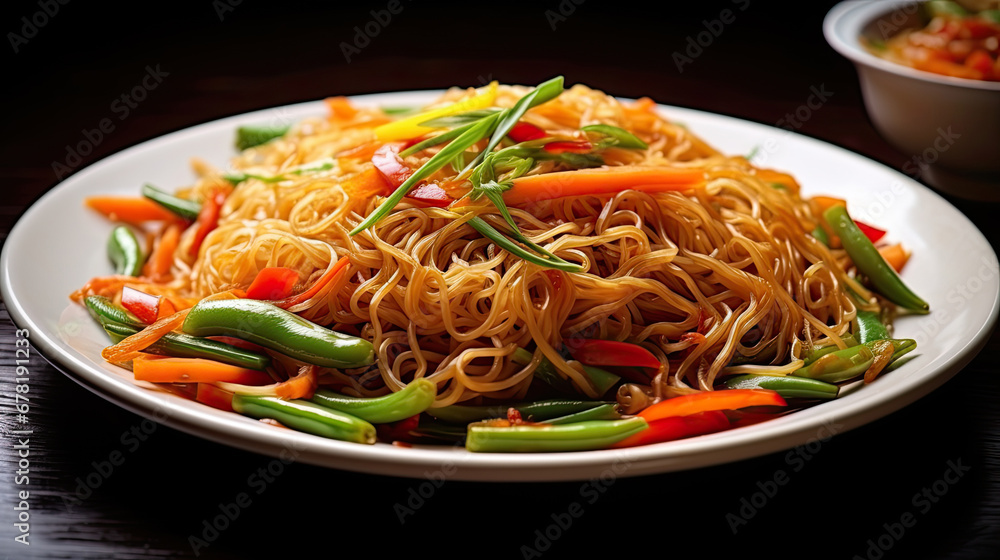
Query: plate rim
[236, 431]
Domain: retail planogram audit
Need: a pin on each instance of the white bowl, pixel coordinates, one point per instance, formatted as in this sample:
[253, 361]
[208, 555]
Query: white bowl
[950, 126]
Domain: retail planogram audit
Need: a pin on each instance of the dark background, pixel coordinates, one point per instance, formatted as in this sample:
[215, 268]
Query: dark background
[854, 488]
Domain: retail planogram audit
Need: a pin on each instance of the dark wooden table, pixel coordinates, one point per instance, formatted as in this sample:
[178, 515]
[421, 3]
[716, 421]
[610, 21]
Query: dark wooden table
[923, 482]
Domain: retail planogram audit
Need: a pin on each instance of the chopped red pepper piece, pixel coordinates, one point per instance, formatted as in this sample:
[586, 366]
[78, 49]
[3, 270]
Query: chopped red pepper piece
[729, 399]
[386, 159]
[560, 147]
[430, 195]
[399, 431]
[612, 353]
[678, 427]
[213, 396]
[271, 283]
[523, 132]
[208, 218]
[144, 306]
[871, 232]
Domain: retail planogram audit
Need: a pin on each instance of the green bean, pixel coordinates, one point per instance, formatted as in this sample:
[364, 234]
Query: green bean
[820, 234]
[579, 436]
[125, 252]
[817, 352]
[846, 364]
[249, 136]
[184, 346]
[187, 209]
[119, 323]
[307, 417]
[870, 263]
[272, 327]
[788, 387]
[412, 399]
[537, 411]
[103, 309]
[602, 412]
[868, 327]
[937, 8]
[600, 379]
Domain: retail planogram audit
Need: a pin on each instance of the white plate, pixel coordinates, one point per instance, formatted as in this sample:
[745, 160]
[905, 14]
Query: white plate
[58, 245]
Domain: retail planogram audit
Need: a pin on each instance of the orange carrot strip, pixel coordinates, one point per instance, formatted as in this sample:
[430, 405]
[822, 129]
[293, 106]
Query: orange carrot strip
[193, 370]
[602, 180]
[133, 210]
[895, 255]
[367, 183]
[364, 151]
[340, 107]
[327, 278]
[131, 347]
[302, 386]
[159, 263]
[824, 203]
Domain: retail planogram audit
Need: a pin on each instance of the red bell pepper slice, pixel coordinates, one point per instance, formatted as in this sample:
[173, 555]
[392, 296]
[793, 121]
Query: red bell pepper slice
[678, 427]
[560, 147]
[430, 195]
[386, 159]
[274, 282]
[871, 232]
[213, 396]
[523, 132]
[612, 353]
[729, 399]
[145, 306]
[208, 219]
[399, 431]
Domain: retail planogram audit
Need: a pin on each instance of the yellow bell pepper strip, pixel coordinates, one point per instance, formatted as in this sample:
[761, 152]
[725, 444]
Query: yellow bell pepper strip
[411, 127]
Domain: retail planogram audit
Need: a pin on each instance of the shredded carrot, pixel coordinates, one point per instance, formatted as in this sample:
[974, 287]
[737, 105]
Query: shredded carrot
[895, 255]
[133, 210]
[158, 265]
[367, 183]
[823, 203]
[643, 104]
[106, 286]
[193, 370]
[323, 281]
[364, 151]
[340, 107]
[302, 386]
[602, 180]
[132, 346]
[772, 176]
